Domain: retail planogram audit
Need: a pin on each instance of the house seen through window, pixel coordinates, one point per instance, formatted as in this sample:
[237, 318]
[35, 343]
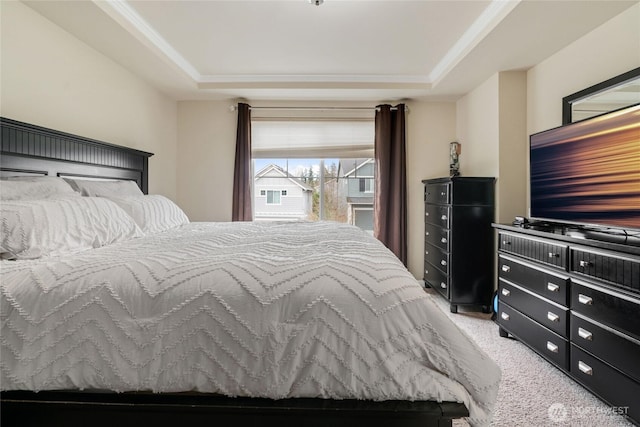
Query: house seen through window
[338, 187]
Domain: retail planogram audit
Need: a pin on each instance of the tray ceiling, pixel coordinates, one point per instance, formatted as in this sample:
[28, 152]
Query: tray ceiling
[341, 50]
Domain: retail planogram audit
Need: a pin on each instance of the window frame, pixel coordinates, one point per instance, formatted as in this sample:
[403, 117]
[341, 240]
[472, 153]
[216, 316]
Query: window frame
[366, 183]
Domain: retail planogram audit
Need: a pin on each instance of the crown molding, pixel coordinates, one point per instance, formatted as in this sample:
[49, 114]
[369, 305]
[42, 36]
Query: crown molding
[315, 81]
[131, 21]
[481, 27]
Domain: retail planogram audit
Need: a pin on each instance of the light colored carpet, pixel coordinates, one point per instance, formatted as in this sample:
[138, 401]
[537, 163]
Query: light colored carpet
[532, 391]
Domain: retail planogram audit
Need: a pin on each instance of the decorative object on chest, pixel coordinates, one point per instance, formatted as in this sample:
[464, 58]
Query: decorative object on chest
[454, 158]
[459, 242]
[576, 302]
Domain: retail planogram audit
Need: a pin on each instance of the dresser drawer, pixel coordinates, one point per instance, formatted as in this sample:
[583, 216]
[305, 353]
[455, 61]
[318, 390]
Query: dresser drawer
[436, 279]
[619, 351]
[438, 215]
[548, 344]
[437, 236]
[554, 286]
[620, 270]
[612, 386]
[541, 250]
[438, 193]
[611, 308]
[544, 312]
[437, 257]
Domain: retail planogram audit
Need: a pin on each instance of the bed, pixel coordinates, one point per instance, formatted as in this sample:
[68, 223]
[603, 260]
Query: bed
[198, 323]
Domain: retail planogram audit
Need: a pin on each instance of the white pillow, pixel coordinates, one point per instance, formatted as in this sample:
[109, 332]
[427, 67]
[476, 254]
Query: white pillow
[154, 213]
[51, 227]
[95, 188]
[33, 187]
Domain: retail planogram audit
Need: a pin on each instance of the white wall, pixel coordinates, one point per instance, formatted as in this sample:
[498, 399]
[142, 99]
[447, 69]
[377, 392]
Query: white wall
[207, 141]
[51, 79]
[609, 50]
[431, 126]
[477, 127]
[511, 185]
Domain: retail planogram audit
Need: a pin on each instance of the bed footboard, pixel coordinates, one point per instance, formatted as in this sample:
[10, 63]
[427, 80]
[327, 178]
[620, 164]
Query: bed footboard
[72, 409]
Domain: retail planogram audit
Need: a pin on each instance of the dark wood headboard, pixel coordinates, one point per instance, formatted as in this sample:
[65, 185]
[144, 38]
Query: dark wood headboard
[33, 150]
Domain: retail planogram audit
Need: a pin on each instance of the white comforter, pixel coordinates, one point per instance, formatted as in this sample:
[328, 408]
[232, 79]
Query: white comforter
[253, 309]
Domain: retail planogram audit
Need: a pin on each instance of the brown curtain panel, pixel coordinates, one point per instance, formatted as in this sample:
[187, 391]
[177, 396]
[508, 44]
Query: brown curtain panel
[390, 203]
[242, 173]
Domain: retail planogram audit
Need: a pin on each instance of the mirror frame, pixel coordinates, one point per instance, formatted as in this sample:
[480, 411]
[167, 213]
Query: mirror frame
[567, 101]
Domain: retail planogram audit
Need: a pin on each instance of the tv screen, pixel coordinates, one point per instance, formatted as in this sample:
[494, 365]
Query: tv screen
[588, 172]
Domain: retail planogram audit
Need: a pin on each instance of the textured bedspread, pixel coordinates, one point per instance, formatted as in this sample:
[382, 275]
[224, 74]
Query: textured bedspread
[253, 309]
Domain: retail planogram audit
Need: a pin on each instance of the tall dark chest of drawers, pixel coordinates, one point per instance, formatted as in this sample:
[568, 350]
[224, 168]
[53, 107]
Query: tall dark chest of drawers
[574, 298]
[459, 241]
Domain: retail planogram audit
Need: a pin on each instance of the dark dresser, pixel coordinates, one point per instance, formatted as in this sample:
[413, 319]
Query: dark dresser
[459, 242]
[574, 297]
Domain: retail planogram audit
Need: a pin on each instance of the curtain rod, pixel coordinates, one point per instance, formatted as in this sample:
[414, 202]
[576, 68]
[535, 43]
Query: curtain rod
[235, 108]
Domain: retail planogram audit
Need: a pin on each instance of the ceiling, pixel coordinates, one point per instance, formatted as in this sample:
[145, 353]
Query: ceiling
[342, 50]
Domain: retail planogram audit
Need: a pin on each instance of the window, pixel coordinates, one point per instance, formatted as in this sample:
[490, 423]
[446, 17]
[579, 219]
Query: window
[273, 197]
[319, 168]
[366, 185]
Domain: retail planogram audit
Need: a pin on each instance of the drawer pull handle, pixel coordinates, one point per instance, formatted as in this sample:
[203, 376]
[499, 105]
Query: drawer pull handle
[443, 217]
[443, 262]
[443, 240]
[504, 316]
[553, 317]
[552, 347]
[506, 292]
[585, 368]
[553, 255]
[506, 242]
[443, 285]
[553, 287]
[506, 268]
[584, 299]
[584, 263]
[583, 333]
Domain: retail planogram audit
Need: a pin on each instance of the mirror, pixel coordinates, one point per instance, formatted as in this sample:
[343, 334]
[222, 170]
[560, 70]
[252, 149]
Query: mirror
[613, 94]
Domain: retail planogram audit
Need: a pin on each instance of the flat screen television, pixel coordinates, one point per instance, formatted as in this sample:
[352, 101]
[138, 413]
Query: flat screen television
[588, 172]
